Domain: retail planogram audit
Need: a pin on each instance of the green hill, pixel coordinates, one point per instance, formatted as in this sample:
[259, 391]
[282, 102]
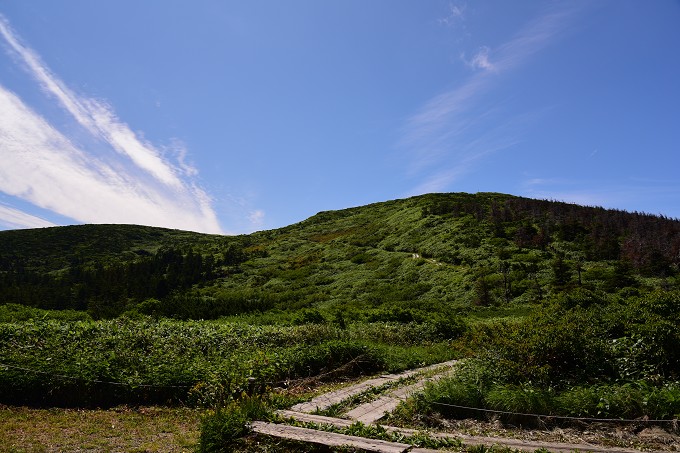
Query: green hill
[431, 252]
[560, 309]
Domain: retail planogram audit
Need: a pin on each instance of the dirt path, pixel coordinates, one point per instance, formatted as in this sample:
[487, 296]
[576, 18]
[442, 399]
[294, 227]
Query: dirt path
[371, 412]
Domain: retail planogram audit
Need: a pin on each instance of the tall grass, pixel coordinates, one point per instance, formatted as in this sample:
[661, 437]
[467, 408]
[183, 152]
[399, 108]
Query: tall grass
[615, 401]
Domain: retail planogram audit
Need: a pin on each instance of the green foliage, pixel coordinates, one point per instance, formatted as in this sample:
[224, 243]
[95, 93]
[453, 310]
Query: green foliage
[222, 428]
[19, 313]
[150, 307]
[143, 360]
[550, 298]
[448, 325]
[627, 400]
[309, 316]
[583, 355]
[466, 387]
[361, 258]
[525, 399]
[430, 252]
[551, 347]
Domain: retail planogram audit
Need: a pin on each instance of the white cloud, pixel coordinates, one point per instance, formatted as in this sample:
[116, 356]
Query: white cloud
[480, 60]
[42, 166]
[455, 129]
[96, 117]
[134, 184]
[456, 13]
[256, 218]
[533, 38]
[13, 218]
[180, 150]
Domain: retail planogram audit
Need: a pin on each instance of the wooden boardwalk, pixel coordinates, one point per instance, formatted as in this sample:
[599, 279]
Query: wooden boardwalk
[326, 438]
[323, 402]
[519, 444]
[373, 411]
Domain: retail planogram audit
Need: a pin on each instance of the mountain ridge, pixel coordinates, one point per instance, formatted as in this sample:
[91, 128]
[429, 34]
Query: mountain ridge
[457, 249]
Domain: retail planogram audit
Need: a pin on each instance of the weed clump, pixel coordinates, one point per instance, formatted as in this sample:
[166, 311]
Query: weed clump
[222, 428]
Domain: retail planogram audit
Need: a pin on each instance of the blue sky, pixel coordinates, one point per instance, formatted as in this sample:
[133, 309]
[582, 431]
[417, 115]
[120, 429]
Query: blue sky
[231, 117]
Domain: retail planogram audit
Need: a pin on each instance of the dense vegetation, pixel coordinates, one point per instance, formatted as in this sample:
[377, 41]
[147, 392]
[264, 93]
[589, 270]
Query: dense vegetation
[561, 308]
[582, 355]
[199, 363]
[439, 251]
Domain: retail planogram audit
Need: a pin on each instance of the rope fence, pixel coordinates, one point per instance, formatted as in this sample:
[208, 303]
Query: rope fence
[287, 382]
[557, 417]
[92, 381]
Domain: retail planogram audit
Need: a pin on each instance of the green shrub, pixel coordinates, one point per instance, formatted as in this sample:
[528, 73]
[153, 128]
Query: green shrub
[221, 429]
[578, 402]
[524, 399]
[664, 402]
[607, 401]
[396, 314]
[448, 326]
[622, 401]
[551, 348]
[308, 316]
[361, 258]
[20, 313]
[466, 387]
[628, 400]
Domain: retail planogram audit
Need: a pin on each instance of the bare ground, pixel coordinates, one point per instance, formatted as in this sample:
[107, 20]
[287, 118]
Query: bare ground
[637, 436]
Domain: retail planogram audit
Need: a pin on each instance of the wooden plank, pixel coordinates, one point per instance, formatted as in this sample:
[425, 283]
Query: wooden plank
[326, 438]
[323, 402]
[519, 444]
[339, 422]
[375, 410]
[313, 418]
[531, 445]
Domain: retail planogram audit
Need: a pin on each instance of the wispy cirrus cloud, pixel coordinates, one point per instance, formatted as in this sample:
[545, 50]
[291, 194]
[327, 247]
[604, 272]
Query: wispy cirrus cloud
[93, 115]
[121, 179]
[480, 60]
[13, 218]
[455, 129]
[42, 166]
[256, 218]
[455, 14]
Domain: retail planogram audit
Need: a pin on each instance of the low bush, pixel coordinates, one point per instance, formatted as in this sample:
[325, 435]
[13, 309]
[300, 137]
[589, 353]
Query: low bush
[629, 400]
[452, 395]
[159, 361]
[524, 399]
[308, 316]
[20, 313]
[221, 429]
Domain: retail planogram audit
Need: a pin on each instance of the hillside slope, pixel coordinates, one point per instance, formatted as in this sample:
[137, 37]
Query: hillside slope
[442, 252]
